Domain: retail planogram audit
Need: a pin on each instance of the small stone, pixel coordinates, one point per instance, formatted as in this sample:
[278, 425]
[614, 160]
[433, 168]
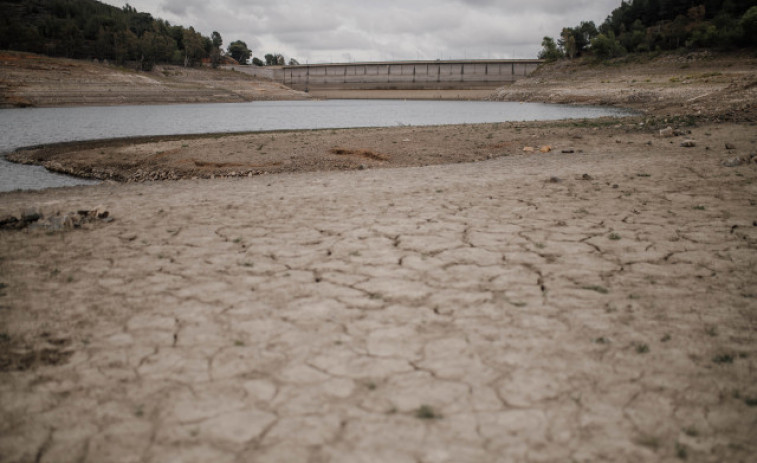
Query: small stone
[568, 151]
[679, 132]
[9, 222]
[528, 149]
[615, 186]
[587, 177]
[545, 149]
[733, 162]
[555, 180]
[666, 132]
[730, 146]
[68, 221]
[688, 144]
[30, 215]
[361, 167]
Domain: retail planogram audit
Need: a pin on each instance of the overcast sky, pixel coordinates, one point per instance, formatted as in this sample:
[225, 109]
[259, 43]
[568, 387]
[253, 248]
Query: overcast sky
[318, 31]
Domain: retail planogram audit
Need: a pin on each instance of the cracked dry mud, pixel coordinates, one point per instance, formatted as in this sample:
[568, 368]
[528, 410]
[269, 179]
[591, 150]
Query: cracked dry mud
[461, 313]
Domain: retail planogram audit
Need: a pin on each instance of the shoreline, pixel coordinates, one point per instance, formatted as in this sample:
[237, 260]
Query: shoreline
[172, 157]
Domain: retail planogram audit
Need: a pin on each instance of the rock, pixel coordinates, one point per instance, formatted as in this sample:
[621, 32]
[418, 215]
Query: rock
[555, 180]
[528, 149]
[9, 223]
[733, 162]
[688, 143]
[666, 132]
[30, 215]
[587, 177]
[55, 222]
[730, 146]
[568, 151]
[545, 149]
[680, 133]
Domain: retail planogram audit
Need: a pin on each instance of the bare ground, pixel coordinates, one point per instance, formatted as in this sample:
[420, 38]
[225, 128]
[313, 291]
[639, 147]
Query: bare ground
[597, 305]
[34, 80]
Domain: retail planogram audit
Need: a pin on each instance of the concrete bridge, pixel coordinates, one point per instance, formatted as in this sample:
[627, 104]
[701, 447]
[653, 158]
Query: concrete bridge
[390, 79]
[408, 75]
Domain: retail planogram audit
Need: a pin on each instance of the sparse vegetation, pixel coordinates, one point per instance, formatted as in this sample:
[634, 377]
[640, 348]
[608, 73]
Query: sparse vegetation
[426, 412]
[642, 348]
[597, 288]
[723, 358]
[681, 451]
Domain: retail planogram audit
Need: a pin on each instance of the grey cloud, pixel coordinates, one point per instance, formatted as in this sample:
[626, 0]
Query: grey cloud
[400, 29]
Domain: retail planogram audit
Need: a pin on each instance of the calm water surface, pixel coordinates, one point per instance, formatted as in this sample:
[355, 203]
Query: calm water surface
[34, 126]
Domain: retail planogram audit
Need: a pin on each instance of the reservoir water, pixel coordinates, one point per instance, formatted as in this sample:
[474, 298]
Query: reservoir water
[34, 126]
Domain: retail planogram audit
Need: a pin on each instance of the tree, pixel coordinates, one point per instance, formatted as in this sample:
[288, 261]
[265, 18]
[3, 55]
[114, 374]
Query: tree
[215, 37]
[549, 50]
[748, 24]
[194, 51]
[258, 62]
[293, 62]
[239, 51]
[275, 59]
[607, 46]
[568, 42]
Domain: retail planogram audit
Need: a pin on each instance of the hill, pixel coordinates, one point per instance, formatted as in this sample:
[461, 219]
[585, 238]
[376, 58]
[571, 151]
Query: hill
[34, 80]
[640, 26]
[705, 84]
[88, 29]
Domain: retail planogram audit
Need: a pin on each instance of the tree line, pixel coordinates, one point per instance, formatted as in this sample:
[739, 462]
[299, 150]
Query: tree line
[639, 26]
[89, 29]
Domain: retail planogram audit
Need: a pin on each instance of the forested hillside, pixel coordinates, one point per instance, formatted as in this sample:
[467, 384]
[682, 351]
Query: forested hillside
[89, 29]
[656, 25]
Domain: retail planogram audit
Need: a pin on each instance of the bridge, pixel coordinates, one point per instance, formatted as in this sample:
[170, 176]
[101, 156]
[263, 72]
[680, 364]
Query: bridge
[408, 75]
[397, 78]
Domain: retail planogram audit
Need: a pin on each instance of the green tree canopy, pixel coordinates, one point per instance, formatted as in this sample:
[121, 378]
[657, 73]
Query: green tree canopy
[239, 51]
[87, 29]
[549, 50]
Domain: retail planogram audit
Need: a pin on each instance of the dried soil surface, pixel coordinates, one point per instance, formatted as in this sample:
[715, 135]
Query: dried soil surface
[598, 305]
[701, 83]
[34, 80]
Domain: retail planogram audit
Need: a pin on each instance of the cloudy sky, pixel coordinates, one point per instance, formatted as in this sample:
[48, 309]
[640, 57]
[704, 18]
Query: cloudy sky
[318, 31]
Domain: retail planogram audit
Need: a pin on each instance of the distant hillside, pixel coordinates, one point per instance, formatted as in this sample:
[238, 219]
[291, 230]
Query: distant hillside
[656, 25]
[88, 29]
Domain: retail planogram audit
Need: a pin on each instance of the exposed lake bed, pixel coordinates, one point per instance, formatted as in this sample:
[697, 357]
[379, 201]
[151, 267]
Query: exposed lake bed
[589, 298]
